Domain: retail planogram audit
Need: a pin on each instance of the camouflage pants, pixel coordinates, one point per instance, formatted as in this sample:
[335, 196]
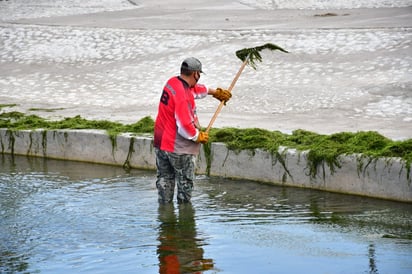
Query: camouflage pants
[172, 168]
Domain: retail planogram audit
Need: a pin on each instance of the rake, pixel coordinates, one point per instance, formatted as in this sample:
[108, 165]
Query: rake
[247, 55]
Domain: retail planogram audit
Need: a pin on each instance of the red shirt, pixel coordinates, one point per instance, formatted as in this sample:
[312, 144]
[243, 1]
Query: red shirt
[175, 127]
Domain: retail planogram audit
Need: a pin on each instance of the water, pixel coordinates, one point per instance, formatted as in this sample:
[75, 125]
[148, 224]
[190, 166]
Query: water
[68, 217]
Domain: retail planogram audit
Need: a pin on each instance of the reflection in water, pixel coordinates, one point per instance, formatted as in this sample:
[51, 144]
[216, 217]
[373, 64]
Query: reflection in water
[180, 250]
[372, 264]
[11, 262]
[13, 235]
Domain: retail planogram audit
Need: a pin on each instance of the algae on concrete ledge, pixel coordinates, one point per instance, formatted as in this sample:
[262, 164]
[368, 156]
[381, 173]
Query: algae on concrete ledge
[126, 164]
[322, 150]
[19, 121]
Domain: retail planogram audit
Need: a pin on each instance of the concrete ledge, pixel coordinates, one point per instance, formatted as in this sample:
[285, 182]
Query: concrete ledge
[80, 145]
[380, 178]
[385, 178]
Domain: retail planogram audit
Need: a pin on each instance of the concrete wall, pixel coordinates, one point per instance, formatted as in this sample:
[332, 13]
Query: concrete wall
[80, 145]
[382, 178]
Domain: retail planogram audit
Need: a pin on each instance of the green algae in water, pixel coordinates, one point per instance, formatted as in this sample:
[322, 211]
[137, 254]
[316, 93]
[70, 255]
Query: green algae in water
[7, 106]
[46, 109]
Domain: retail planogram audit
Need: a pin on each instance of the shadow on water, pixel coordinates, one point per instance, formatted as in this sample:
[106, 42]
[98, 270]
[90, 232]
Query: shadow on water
[71, 217]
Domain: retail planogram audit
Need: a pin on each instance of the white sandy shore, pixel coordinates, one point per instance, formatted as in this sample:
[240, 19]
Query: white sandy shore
[347, 72]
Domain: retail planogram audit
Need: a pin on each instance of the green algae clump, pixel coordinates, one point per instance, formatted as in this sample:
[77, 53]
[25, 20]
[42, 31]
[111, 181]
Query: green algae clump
[20, 121]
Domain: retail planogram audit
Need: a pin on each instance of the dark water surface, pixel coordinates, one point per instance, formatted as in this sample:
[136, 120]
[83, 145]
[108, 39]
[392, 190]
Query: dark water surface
[68, 217]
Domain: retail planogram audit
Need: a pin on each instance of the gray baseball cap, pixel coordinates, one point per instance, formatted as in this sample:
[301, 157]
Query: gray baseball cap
[192, 63]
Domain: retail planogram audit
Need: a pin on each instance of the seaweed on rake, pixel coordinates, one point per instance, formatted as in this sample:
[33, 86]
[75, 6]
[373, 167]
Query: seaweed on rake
[253, 54]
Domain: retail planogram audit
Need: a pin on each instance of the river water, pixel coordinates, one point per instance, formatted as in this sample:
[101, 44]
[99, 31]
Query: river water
[70, 217]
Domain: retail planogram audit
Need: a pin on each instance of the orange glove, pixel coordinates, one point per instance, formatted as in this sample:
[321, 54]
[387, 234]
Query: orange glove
[203, 137]
[222, 95]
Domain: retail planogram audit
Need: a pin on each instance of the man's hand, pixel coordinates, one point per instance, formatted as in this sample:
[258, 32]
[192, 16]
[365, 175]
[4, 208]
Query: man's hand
[203, 137]
[222, 95]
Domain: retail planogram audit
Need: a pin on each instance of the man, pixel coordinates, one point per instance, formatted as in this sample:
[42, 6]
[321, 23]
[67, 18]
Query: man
[177, 133]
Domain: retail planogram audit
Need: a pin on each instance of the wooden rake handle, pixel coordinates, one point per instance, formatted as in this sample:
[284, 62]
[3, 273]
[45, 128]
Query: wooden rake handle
[222, 103]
